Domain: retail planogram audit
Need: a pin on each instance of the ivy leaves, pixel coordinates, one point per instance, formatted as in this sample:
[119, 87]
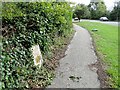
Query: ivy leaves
[33, 23]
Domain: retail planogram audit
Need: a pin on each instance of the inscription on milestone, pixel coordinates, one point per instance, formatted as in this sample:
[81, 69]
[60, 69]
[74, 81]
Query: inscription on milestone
[37, 55]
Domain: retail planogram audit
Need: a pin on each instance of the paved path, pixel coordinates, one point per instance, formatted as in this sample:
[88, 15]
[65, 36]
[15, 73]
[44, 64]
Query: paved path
[74, 71]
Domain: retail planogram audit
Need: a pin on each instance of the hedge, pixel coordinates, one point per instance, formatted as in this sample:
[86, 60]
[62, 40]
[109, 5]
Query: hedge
[26, 24]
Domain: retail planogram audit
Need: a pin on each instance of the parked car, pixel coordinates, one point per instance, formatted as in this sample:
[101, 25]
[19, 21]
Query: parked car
[76, 18]
[103, 19]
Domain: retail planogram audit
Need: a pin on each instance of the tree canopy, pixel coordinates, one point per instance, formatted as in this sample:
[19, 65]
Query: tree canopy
[115, 13]
[97, 9]
[81, 11]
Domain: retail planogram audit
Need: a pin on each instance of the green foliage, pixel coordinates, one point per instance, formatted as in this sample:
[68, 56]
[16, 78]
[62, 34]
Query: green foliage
[79, 11]
[97, 9]
[107, 14]
[82, 11]
[10, 10]
[26, 24]
[87, 13]
[115, 13]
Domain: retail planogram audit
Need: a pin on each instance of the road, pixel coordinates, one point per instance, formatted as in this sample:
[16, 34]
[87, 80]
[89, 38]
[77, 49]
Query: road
[105, 22]
[74, 70]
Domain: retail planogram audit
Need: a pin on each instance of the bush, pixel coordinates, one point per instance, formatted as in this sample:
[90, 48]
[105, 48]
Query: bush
[26, 24]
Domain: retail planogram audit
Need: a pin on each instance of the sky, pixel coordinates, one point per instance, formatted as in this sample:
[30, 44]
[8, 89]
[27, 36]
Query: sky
[108, 3]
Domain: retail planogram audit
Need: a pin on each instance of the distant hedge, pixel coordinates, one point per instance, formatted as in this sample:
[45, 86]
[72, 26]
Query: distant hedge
[26, 24]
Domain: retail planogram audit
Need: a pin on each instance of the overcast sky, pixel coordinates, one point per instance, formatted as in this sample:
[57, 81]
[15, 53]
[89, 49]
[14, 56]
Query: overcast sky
[108, 3]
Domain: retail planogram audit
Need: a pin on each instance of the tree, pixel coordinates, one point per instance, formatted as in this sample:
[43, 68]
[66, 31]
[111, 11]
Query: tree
[107, 14]
[86, 12]
[97, 9]
[78, 11]
[119, 11]
[81, 11]
[115, 13]
[101, 9]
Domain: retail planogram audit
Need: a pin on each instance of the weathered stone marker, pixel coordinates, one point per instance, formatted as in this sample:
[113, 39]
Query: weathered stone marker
[37, 55]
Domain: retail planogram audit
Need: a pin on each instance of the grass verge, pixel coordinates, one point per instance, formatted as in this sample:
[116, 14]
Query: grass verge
[106, 41]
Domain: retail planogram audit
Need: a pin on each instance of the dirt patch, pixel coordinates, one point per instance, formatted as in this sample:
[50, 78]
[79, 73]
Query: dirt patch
[102, 75]
[58, 53]
[74, 78]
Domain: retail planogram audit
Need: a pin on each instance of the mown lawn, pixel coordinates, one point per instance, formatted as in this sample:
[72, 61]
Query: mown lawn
[106, 41]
